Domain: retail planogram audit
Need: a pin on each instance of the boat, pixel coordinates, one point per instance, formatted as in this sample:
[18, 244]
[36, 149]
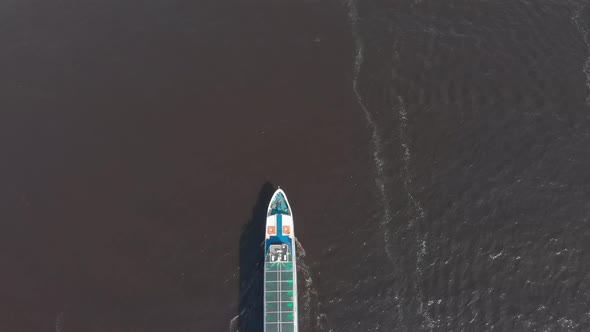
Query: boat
[280, 267]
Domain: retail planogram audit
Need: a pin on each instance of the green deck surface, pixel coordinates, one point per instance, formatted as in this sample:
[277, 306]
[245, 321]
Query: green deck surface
[279, 296]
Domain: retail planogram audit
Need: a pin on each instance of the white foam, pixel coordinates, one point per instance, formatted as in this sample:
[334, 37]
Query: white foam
[309, 297]
[583, 29]
[233, 324]
[493, 257]
[59, 322]
[567, 324]
[378, 160]
[375, 138]
[418, 214]
[407, 156]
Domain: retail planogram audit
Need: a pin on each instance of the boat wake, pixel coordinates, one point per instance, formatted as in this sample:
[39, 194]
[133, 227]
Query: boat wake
[233, 324]
[311, 317]
[59, 322]
[407, 176]
[417, 212]
[583, 29]
[375, 137]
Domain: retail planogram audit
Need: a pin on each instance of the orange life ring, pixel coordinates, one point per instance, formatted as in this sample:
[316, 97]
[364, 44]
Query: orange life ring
[272, 230]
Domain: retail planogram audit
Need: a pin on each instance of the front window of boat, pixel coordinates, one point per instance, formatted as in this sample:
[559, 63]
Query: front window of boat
[279, 206]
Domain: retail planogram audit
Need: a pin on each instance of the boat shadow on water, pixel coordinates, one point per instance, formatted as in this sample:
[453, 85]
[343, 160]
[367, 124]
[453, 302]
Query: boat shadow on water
[252, 264]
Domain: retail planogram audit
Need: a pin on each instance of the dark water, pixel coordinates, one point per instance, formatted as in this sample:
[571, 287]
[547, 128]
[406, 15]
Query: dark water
[436, 153]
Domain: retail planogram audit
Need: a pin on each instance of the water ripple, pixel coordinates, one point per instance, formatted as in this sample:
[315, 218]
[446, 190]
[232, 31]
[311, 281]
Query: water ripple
[583, 29]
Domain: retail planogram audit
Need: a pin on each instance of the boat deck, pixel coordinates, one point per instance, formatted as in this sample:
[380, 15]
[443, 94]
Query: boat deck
[279, 297]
